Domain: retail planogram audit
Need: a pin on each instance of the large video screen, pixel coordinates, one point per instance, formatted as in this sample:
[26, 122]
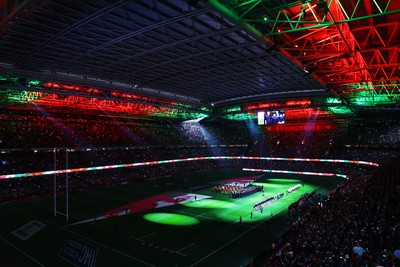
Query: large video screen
[271, 117]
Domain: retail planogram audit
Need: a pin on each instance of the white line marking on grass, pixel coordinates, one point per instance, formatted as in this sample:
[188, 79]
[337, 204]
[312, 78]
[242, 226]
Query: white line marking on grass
[20, 250]
[113, 249]
[233, 223]
[153, 233]
[80, 221]
[188, 246]
[209, 218]
[236, 238]
[198, 215]
[184, 255]
[138, 239]
[145, 242]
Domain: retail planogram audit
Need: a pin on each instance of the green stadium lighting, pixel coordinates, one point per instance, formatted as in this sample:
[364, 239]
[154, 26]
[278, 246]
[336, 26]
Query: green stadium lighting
[333, 100]
[171, 219]
[277, 180]
[340, 110]
[210, 204]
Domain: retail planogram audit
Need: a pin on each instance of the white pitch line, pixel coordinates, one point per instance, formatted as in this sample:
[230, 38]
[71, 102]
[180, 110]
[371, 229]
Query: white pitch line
[236, 238]
[198, 215]
[188, 246]
[84, 221]
[176, 252]
[233, 223]
[136, 238]
[20, 250]
[153, 233]
[143, 241]
[113, 249]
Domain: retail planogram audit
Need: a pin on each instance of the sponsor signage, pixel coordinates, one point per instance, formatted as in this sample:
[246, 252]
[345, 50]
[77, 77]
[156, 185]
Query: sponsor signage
[79, 253]
[28, 230]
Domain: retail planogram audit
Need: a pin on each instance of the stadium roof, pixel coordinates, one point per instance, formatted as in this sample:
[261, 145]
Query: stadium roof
[205, 53]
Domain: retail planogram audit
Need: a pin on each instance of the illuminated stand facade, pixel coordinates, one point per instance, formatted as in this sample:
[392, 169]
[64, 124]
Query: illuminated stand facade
[137, 164]
[24, 94]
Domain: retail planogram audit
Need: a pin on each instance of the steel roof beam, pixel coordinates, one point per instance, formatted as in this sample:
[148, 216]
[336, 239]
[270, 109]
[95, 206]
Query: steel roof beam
[69, 29]
[136, 33]
[25, 9]
[200, 55]
[170, 45]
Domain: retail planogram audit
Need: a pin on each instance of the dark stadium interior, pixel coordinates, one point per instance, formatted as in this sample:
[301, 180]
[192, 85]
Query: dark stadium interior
[121, 101]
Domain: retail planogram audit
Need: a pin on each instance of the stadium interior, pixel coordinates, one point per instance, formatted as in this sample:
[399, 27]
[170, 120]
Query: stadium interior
[199, 133]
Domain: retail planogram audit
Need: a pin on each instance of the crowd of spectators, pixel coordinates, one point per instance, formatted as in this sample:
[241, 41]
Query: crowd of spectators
[358, 225]
[303, 144]
[297, 209]
[374, 131]
[27, 131]
[27, 141]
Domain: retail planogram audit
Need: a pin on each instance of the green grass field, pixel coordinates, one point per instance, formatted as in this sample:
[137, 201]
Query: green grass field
[199, 233]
